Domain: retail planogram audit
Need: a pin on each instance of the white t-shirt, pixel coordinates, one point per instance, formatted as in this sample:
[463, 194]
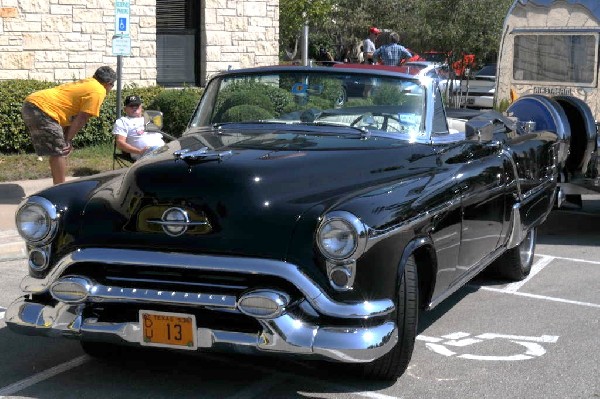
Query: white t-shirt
[368, 47]
[133, 130]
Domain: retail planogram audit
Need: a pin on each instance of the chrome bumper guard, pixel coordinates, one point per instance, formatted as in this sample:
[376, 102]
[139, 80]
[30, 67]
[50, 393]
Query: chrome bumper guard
[283, 333]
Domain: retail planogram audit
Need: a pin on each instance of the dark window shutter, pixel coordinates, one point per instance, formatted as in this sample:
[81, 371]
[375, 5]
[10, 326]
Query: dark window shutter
[177, 24]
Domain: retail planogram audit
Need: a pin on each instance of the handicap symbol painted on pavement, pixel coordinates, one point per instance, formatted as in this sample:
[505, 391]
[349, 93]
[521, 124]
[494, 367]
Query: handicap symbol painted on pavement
[532, 345]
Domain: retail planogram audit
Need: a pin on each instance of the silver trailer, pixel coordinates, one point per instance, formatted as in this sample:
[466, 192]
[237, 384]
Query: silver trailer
[549, 57]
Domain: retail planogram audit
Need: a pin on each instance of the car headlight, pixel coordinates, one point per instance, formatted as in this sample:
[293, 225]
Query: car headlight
[36, 220]
[341, 236]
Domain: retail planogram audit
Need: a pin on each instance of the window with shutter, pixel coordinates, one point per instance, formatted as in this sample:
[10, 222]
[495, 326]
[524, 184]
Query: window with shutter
[177, 35]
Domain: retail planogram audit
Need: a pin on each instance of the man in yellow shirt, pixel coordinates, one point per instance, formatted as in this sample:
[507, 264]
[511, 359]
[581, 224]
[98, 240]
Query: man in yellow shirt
[54, 116]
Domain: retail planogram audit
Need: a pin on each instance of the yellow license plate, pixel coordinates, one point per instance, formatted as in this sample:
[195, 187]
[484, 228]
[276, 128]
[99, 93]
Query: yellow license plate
[168, 330]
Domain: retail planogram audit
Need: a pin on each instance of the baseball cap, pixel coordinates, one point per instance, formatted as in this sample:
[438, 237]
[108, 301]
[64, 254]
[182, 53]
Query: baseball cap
[374, 30]
[134, 100]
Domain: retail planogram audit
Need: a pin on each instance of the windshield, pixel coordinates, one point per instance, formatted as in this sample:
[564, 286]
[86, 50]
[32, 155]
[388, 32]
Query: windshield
[345, 99]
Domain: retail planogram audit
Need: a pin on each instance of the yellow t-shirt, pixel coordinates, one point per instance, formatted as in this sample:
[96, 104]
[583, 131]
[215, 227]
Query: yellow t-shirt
[63, 102]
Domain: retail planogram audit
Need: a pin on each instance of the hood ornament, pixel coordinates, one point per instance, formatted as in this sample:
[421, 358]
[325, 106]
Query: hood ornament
[202, 154]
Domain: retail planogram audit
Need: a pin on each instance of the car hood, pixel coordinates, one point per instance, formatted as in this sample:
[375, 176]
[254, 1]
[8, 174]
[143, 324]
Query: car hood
[243, 193]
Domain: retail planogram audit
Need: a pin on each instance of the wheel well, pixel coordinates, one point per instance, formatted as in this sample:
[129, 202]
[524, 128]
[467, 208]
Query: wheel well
[426, 265]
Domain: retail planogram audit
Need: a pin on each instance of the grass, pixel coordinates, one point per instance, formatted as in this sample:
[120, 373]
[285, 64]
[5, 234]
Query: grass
[82, 162]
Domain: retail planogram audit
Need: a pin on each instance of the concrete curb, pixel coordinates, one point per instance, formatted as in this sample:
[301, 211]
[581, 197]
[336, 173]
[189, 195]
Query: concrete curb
[12, 193]
[12, 245]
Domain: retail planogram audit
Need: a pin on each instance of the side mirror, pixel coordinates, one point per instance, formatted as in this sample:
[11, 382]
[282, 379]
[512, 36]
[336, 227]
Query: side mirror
[479, 130]
[153, 120]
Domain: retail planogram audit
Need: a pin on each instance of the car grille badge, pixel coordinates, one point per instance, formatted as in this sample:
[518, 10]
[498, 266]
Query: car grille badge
[177, 221]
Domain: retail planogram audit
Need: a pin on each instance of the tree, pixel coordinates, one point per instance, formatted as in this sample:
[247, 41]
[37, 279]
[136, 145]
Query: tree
[469, 26]
[293, 14]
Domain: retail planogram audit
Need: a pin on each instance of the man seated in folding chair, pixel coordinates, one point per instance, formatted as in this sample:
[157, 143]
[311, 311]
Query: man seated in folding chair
[130, 132]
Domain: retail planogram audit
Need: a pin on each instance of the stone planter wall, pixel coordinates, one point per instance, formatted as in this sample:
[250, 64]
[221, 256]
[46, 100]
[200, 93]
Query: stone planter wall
[240, 34]
[65, 40]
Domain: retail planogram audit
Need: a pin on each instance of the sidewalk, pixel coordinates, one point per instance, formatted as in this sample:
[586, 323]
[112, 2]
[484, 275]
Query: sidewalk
[11, 195]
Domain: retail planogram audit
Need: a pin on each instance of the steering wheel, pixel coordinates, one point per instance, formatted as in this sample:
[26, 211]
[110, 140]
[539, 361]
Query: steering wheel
[385, 126]
[364, 117]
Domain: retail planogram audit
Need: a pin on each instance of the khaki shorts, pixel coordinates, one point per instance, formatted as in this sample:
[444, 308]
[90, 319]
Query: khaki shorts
[46, 134]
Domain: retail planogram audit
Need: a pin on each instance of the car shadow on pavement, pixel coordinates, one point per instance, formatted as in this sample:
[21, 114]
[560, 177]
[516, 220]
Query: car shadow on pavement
[427, 318]
[214, 369]
[562, 225]
[11, 193]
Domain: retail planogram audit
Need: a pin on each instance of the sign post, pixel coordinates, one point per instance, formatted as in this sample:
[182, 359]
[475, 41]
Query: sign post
[121, 42]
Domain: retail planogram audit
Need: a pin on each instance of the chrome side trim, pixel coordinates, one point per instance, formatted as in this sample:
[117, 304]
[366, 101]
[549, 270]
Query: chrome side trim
[284, 334]
[466, 277]
[516, 229]
[508, 156]
[288, 271]
[376, 236]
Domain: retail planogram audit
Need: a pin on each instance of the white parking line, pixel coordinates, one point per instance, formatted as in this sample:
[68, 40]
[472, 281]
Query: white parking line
[547, 298]
[535, 269]
[593, 262]
[44, 375]
[545, 260]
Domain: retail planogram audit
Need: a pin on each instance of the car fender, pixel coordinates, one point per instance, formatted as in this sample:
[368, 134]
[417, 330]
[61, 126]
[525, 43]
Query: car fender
[547, 114]
[422, 248]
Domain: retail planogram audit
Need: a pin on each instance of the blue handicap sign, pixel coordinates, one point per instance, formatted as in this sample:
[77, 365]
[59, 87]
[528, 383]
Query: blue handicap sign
[299, 88]
[123, 24]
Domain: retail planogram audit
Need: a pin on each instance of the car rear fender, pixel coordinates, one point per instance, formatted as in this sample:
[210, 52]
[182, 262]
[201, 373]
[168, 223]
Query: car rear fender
[547, 114]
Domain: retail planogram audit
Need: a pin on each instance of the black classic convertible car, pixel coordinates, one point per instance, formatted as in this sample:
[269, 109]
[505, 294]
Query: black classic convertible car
[290, 218]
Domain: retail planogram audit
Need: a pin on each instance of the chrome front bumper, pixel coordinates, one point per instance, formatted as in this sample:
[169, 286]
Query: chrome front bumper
[286, 333]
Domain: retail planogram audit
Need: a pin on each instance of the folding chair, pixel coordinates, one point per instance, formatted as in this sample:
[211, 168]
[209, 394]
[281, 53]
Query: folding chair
[123, 159]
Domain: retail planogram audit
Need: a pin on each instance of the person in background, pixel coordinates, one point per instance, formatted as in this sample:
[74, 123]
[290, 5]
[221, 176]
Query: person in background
[54, 116]
[392, 53]
[369, 45]
[130, 130]
[324, 57]
[345, 55]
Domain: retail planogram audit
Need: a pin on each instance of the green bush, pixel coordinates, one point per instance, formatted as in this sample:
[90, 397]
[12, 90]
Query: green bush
[279, 99]
[244, 97]
[246, 112]
[14, 137]
[177, 107]
[13, 133]
[389, 95]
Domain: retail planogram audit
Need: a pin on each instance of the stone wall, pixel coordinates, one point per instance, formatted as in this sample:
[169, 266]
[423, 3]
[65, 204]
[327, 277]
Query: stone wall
[63, 40]
[239, 34]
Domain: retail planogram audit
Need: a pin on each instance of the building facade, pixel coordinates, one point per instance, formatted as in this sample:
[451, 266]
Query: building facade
[173, 42]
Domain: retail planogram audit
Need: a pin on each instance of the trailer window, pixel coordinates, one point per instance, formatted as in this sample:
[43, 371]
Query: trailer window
[557, 58]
